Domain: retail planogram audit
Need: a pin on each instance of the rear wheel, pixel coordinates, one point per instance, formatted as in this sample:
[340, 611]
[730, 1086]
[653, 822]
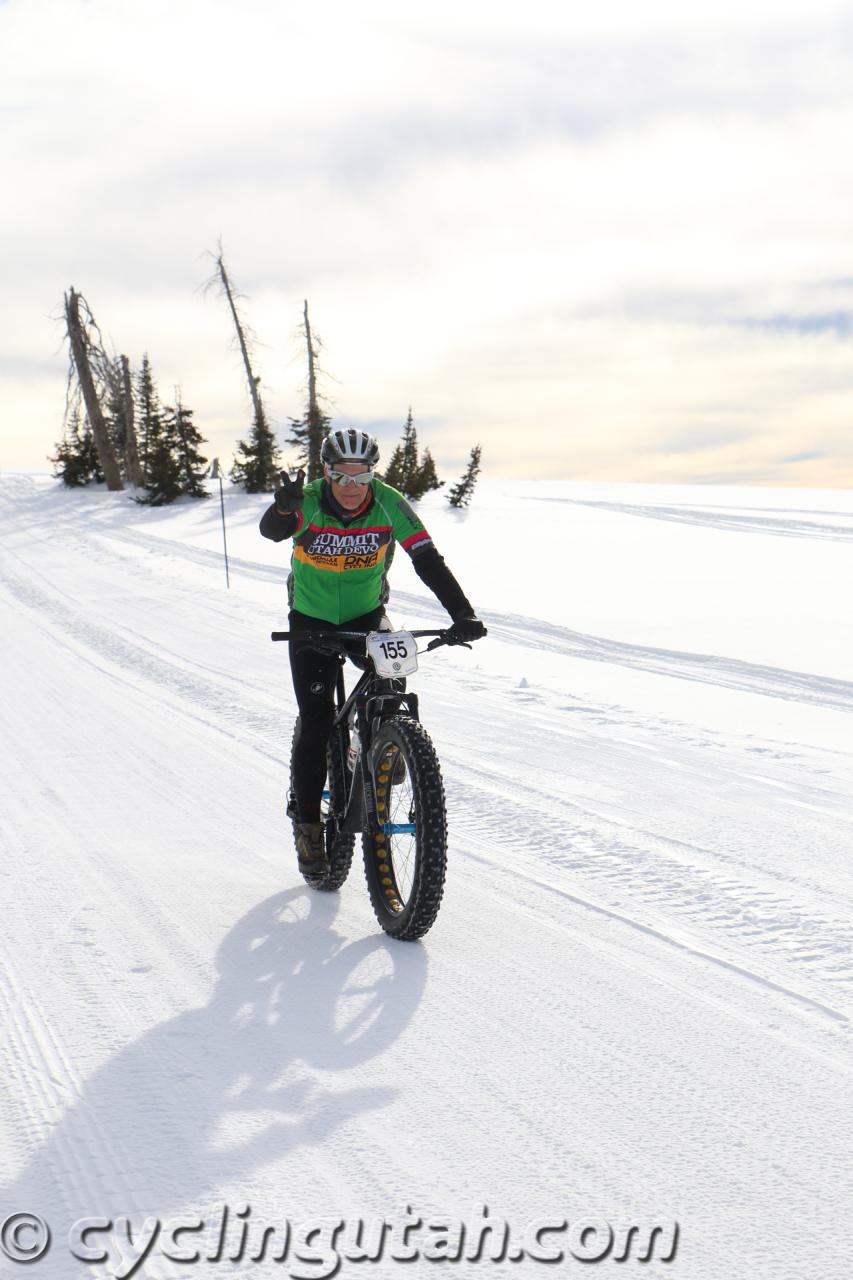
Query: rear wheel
[339, 845]
[405, 860]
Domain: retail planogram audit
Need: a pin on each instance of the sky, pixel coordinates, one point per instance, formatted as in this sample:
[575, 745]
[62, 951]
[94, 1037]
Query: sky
[605, 242]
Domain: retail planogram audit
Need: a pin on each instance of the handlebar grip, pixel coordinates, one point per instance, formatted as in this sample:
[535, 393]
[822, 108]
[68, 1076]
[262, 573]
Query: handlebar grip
[279, 635]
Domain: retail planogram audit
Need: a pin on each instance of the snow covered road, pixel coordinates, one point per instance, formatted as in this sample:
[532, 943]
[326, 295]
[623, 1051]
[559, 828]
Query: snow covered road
[636, 1003]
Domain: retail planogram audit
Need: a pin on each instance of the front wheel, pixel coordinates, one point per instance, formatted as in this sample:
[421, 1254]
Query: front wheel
[405, 860]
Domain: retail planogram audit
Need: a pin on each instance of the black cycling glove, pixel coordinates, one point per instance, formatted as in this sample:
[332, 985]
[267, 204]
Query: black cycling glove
[288, 498]
[467, 627]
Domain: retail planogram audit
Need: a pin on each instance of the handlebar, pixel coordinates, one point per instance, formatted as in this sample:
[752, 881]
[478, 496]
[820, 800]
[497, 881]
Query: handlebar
[321, 637]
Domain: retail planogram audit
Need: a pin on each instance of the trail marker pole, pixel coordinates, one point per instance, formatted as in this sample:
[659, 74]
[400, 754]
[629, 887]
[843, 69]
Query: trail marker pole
[216, 474]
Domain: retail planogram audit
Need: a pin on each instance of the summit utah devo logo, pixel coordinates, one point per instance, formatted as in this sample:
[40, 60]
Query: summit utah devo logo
[345, 549]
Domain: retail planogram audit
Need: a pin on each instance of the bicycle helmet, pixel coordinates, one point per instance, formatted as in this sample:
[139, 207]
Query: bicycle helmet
[347, 444]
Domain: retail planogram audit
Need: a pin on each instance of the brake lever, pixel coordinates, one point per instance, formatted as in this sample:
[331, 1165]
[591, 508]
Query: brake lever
[451, 644]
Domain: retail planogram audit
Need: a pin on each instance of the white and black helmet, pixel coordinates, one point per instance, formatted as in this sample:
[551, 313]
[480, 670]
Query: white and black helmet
[346, 444]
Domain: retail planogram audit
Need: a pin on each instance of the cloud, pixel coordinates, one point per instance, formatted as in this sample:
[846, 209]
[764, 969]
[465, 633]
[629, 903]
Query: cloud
[620, 232]
[839, 323]
[703, 437]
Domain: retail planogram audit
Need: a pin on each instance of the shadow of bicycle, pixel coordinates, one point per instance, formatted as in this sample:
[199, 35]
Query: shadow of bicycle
[196, 1107]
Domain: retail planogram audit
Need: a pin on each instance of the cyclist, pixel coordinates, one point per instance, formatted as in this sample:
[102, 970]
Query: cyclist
[344, 528]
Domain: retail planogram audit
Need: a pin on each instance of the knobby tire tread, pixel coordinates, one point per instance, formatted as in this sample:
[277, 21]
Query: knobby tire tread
[431, 817]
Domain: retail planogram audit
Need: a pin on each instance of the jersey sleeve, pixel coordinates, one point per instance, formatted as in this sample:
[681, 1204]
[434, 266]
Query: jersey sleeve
[407, 527]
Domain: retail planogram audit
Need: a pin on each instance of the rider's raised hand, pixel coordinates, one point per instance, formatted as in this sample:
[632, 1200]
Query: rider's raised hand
[288, 498]
[467, 627]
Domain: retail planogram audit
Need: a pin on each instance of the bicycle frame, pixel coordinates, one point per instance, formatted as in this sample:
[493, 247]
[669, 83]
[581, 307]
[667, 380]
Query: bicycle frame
[368, 701]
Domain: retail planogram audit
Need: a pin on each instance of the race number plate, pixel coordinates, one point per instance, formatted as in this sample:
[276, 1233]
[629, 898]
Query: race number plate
[394, 653]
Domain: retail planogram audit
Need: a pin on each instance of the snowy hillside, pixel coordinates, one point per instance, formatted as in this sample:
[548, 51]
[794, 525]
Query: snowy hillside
[636, 1003]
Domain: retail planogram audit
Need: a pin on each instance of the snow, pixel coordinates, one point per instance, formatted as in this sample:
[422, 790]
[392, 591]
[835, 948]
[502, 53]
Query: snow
[636, 1002]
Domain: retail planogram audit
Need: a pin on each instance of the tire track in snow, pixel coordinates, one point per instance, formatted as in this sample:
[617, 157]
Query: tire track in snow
[741, 910]
[732, 521]
[637, 868]
[640, 866]
[118, 658]
[532, 633]
[85, 1156]
[667, 937]
[712, 669]
[74, 1153]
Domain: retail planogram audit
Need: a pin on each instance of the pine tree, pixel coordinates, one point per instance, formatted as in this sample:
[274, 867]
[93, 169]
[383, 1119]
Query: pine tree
[427, 478]
[407, 472]
[461, 493]
[76, 457]
[150, 415]
[409, 458]
[307, 435]
[186, 438]
[404, 469]
[161, 468]
[89, 457]
[164, 474]
[394, 471]
[258, 462]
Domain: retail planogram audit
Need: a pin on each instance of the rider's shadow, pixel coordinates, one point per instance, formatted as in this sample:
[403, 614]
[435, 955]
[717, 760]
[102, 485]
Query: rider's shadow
[203, 1101]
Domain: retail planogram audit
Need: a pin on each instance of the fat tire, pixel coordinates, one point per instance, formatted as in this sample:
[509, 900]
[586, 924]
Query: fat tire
[340, 846]
[410, 920]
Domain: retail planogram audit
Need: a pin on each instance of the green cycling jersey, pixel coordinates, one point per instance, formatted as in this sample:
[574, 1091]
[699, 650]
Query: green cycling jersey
[339, 568]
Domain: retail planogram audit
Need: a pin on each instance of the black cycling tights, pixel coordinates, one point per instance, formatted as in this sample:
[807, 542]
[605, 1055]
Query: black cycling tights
[314, 675]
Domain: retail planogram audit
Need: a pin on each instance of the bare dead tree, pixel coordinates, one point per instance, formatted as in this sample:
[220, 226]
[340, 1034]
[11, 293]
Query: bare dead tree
[312, 362]
[82, 347]
[133, 467]
[317, 421]
[307, 433]
[115, 375]
[257, 460]
[231, 297]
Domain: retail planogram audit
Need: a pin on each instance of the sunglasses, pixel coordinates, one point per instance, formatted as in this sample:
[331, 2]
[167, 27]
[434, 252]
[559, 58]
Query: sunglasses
[344, 480]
